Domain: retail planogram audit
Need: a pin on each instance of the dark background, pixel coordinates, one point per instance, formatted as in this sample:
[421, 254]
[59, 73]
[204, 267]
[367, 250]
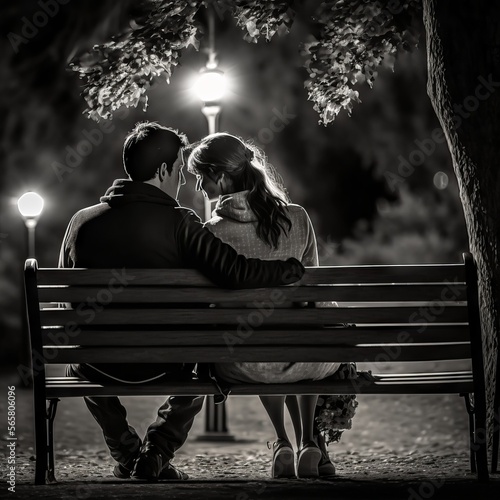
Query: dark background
[339, 173]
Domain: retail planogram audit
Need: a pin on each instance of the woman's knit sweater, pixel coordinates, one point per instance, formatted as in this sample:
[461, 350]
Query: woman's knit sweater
[234, 222]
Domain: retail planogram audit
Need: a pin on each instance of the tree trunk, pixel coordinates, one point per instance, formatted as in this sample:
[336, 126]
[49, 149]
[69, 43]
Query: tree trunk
[463, 51]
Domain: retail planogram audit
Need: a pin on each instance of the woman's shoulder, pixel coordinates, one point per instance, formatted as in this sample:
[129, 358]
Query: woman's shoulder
[297, 212]
[294, 208]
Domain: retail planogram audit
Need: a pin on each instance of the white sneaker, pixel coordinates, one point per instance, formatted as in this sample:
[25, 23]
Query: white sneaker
[308, 459]
[283, 460]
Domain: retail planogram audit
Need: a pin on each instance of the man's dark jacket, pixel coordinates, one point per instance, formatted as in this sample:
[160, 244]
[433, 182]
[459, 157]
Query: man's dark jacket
[137, 225]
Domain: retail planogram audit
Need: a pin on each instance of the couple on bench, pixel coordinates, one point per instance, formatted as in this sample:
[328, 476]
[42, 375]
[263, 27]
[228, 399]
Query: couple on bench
[256, 238]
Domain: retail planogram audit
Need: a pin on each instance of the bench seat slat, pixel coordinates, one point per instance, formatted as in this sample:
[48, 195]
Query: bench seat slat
[427, 273]
[346, 336]
[382, 386]
[464, 374]
[211, 354]
[365, 375]
[237, 317]
[339, 293]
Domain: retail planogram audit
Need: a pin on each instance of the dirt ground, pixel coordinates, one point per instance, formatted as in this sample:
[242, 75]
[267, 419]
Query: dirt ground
[408, 447]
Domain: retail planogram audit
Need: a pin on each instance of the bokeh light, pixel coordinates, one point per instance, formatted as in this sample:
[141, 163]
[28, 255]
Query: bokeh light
[441, 180]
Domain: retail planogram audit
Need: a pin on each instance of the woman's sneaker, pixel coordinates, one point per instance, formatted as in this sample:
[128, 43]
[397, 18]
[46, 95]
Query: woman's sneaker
[283, 460]
[325, 466]
[308, 459]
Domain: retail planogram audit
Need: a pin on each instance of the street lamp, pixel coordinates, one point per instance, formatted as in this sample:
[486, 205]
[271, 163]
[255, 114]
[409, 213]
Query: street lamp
[210, 87]
[30, 206]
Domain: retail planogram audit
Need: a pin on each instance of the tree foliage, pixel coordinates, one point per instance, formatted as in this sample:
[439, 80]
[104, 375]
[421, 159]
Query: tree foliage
[263, 19]
[355, 38]
[118, 73]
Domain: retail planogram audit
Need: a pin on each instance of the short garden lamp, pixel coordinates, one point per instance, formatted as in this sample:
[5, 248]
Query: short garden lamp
[30, 206]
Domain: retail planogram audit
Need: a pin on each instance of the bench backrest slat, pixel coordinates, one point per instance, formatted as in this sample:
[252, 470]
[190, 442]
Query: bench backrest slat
[426, 273]
[236, 317]
[340, 293]
[261, 353]
[433, 334]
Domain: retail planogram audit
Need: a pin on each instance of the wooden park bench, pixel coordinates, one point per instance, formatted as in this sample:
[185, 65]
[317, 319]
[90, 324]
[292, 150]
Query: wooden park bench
[401, 313]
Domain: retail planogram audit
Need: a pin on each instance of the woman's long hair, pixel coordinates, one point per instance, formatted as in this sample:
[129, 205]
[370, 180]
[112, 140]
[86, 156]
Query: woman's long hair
[246, 166]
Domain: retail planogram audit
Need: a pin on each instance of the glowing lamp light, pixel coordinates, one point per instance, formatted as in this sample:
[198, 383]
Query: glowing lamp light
[30, 204]
[211, 85]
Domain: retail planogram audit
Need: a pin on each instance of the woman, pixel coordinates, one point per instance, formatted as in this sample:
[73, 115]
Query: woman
[253, 215]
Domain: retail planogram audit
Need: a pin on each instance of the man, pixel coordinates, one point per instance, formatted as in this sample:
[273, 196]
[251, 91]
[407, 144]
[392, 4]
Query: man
[139, 224]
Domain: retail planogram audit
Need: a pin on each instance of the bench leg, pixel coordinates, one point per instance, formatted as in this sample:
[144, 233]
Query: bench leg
[40, 441]
[44, 441]
[496, 429]
[51, 414]
[470, 411]
[481, 440]
[496, 445]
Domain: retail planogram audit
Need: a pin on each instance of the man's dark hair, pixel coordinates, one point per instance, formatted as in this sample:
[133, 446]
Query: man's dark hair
[147, 147]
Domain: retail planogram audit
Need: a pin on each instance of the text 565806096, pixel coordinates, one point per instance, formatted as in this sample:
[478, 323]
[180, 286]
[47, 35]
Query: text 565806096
[11, 438]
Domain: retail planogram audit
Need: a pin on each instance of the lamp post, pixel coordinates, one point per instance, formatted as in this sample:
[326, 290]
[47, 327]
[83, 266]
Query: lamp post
[30, 206]
[210, 88]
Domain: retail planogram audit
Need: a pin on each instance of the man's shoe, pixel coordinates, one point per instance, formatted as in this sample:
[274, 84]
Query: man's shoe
[121, 472]
[150, 466]
[170, 472]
